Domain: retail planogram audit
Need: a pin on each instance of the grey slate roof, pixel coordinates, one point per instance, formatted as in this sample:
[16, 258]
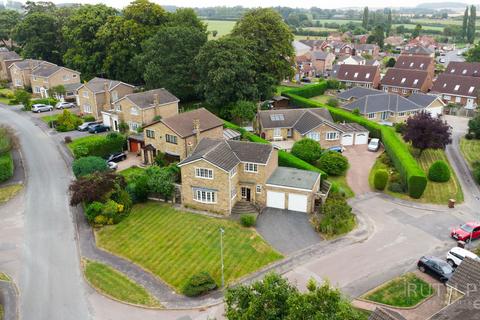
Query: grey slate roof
[145, 99]
[29, 63]
[319, 55]
[226, 154]
[229, 134]
[72, 87]
[382, 102]
[97, 85]
[385, 314]
[9, 55]
[357, 93]
[293, 178]
[466, 277]
[464, 309]
[422, 99]
[292, 117]
[420, 50]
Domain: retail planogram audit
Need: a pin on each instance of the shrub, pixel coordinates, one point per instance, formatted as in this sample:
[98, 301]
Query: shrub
[333, 163]
[122, 197]
[88, 118]
[332, 102]
[110, 212]
[247, 220]
[88, 165]
[396, 187]
[67, 139]
[307, 150]
[23, 97]
[67, 121]
[138, 189]
[6, 167]
[439, 171]
[160, 159]
[476, 174]
[337, 217]
[380, 179]
[400, 127]
[469, 136]
[199, 284]
[100, 146]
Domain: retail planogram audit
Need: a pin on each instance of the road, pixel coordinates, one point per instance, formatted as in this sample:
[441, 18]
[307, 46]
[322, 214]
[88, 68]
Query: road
[451, 56]
[50, 280]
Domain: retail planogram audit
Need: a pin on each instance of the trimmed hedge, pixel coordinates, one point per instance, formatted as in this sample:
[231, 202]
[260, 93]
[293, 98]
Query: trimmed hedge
[98, 145]
[412, 174]
[439, 171]
[6, 167]
[380, 179]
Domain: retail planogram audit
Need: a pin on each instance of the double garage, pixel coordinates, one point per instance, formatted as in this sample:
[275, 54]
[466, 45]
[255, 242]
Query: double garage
[292, 189]
[353, 134]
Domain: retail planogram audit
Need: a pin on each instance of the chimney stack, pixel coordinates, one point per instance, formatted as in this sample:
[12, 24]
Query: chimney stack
[196, 129]
[108, 101]
[156, 102]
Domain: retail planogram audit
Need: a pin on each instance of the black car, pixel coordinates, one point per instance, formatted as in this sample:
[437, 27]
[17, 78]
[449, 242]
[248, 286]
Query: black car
[116, 157]
[435, 267]
[98, 128]
[86, 125]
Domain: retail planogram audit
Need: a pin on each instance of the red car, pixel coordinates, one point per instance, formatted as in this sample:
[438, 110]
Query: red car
[467, 231]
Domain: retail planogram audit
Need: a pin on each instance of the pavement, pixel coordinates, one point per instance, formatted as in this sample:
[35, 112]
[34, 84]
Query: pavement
[360, 160]
[18, 171]
[8, 299]
[286, 231]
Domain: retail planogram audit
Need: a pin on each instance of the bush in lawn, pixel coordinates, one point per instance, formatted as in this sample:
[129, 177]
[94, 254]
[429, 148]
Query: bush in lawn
[307, 150]
[67, 121]
[6, 166]
[333, 163]
[337, 216]
[469, 136]
[98, 186]
[122, 197]
[199, 284]
[380, 179]
[88, 165]
[138, 188]
[332, 102]
[110, 212]
[88, 118]
[439, 171]
[247, 220]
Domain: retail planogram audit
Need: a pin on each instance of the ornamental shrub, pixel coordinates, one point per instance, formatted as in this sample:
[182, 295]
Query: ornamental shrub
[396, 187]
[333, 163]
[248, 220]
[67, 121]
[88, 118]
[199, 284]
[380, 179]
[138, 189]
[439, 171]
[307, 150]
[87, 165]
[6, 166]
[337, 217]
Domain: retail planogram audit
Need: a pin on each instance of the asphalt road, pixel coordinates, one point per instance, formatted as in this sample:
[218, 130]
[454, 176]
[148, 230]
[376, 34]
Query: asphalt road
[51, 284]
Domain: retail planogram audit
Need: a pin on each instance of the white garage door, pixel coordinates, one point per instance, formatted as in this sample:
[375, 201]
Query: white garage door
[106, 120]
[435, 111]
[297, 202]
[276, 199]
[347, 139]
[361, 138]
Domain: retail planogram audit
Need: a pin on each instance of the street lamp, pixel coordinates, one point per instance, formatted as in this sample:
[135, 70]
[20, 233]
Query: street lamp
[221, 253]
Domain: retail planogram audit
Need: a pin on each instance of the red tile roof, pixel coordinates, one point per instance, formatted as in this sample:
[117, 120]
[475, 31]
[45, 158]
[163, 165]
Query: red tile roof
[404, 78]
[356, 73]
[457, 85]
[413, 62]
[469, 69]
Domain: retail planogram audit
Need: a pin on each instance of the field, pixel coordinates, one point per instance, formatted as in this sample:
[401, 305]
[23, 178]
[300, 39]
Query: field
[174, 245]
[470, 150]
[221, 26]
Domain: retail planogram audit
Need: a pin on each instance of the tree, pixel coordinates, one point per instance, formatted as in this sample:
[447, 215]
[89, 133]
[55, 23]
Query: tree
[95, 187]
[425, 132]
[67, 121]
[23, 97]
[471, 24]
[146, 13]
[390, 63]
[416, 32]
[226, 72]
[8, 20]
[31, 7]
[365, 18]
[465, 23]
[307, 149]
[242, 111]
[88, 165]
[270, 41]
[474, 127]
[379, 35]
[388, 27]
[333, 163]
[160, 181]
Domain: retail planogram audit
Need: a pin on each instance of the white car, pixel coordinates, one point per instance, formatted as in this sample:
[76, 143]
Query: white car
[374, 145]
[41, 108]
[456, 255]
[64, 105]
[112, 165]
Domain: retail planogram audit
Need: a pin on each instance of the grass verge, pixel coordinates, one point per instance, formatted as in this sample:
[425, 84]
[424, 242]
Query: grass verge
[8, 192]
[470, 150]
[117, 285]
[405, 291]
[174, 244]
[4, 277]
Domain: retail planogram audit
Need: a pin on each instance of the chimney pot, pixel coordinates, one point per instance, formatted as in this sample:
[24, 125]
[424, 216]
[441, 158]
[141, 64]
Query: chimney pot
[155, 99]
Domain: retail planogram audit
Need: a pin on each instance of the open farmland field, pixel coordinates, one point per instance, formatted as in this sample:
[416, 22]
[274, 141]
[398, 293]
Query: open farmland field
[221, 26]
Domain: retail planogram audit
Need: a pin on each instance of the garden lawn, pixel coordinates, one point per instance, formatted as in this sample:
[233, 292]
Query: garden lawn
[50, 118]
[129, 172]
[174, 245]
[117, 285]
[8, 192]
[322, 99]
[405, 291]
[470, 150]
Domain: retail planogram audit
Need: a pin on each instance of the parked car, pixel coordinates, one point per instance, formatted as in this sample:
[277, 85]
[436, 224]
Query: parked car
[374, 145]
[112, 165]
[86, 125]
[456, 255]
[99, 127]
[41, 108]
[435, 267]
[117, 157]
[466, 232]
[442, 60]
[64, 105]
[337, 149]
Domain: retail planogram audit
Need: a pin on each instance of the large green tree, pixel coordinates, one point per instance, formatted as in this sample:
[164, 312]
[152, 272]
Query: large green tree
[365, 18]
[226, 72]
[270, 41]
[85, 52]
[471, 24]
[379, 35]
[8, 20]
[465, 23]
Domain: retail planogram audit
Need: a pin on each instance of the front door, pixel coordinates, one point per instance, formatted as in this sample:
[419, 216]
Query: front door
[115, 125]
[246, 193]
[384, 115]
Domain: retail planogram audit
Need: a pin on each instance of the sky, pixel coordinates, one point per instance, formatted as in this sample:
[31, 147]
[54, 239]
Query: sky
[269, 3]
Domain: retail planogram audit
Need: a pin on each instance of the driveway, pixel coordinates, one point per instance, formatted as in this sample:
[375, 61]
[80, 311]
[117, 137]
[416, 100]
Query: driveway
[287, 231]
[361, 161]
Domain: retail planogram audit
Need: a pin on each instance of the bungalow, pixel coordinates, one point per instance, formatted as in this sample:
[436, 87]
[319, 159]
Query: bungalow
[405, 81]
[178, 135]
[7, 58]
[424, 63]
[359, 76]
[462, 90]
[47, 76]
[357, 93]
[466, 69]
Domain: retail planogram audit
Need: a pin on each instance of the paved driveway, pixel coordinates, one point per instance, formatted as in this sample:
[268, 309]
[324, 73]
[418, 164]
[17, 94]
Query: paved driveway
[287, 231]
[361, 161]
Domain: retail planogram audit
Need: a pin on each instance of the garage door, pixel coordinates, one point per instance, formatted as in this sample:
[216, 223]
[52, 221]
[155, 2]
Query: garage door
[297, 202]
[435, 111]
[347, 139]
[361, 138]
[276, 199]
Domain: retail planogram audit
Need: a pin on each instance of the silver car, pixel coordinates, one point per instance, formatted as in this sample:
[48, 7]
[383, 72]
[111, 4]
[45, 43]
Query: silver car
[64, 105]
[41, 108]
[374, 145]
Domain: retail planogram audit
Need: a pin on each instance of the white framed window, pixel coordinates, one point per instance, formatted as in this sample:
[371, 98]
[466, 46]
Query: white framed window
[258, 188]
[114, 95]
[458, 99]
[205, 196]
[401, 114]
[404, 90]
[36, 89]
[371, 115]
[18, 82]
[85, 94]
[87, 108]
[118, 107]
[332, 135]
[66, 77]
[314, 136]
[150, 133]
[277, 132]
[134, 126]
[134, 111]
[171, 138]
[233, 172]
[203, 173]
[251, 167]
[446, 97]
[394, 89]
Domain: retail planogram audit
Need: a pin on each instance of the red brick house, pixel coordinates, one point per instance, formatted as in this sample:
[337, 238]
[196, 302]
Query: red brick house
[466, 69]
[338, 48]
[463, 90]
[359, 75]
[406, 81]
[424, 63]
[366, 49]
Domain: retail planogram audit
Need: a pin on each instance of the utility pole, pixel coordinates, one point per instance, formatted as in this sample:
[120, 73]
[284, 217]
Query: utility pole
[221, 253]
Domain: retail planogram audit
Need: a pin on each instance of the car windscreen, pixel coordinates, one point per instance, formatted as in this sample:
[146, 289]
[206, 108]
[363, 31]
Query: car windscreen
[466, 228]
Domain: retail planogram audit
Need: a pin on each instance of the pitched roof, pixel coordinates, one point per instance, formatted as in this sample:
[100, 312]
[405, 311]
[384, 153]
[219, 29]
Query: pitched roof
[382, 102]
[9, 55]
[146, 99]
[465, 309]
[29, 64]
[457, 85]
[458, 68]
[365, 46]
[288, 118]
[385, 314]
[404, 78]
[466, 276]
[356, 58]
[226, 154]
[45, 70]
[356, 73]
[97, 85]
[320, 55]
[293, 178]
[417, 50]
[312, 43]
[371, 62]
[413, 62]
[423, 99]
[182, 123]
[300, 47]
[357, 92]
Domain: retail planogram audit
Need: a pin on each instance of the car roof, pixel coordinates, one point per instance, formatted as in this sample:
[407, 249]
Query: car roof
[463, 252]
[473, 224]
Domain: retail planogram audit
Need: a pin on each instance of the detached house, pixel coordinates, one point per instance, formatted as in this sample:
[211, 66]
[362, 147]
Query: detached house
[359, 76]
[406, 81]
[178, 135]
[423, 63]
[21, 72]
[139, 109]
[322, 61]
[338, 48]
[366, 49]
[98, 94]
[47, 76]
[222, 174]
[7, 58]
[463, 90]
[418, 50]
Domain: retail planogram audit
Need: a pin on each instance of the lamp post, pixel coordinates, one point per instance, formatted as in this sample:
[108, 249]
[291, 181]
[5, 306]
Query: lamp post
[221, 253]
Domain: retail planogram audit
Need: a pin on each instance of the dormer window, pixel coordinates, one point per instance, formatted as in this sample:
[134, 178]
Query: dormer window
[403, 80]
[456, 87]
[464, 71]
[415, 82]
[471, 89]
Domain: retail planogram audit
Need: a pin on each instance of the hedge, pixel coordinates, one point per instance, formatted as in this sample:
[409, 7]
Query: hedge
[6, 167]
[412, 174]
[98, 145]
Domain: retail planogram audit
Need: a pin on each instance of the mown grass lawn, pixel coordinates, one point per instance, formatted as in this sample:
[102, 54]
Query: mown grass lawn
[405, 291]
[50, 118]
[117, 285]
[8, 192]
[470, 150]
[130, 172]
[174, 245]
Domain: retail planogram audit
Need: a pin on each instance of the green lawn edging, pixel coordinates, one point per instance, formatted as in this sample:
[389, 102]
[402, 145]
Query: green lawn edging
[413, 175]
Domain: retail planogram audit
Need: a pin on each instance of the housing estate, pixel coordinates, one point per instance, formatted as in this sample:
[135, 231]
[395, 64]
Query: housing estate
[358, 75]
[424, 63]
[21, 72]
[46, 76]
[406, 81]
[6, 60]
[462, 90]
